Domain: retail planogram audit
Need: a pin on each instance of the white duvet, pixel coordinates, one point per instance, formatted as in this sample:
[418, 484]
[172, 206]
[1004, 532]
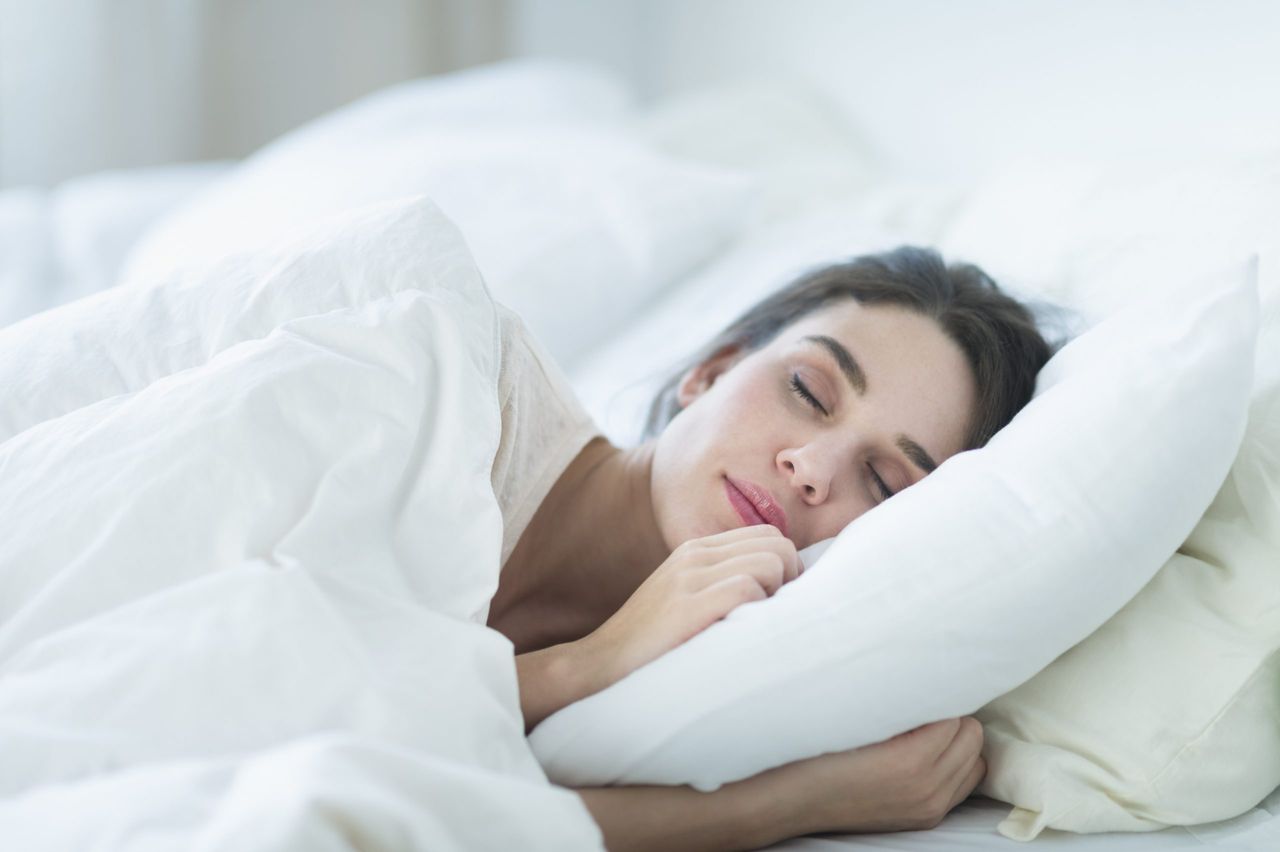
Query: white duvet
[242, 597]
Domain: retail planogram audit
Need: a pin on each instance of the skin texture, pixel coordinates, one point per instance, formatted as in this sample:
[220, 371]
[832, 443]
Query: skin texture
[742, 418]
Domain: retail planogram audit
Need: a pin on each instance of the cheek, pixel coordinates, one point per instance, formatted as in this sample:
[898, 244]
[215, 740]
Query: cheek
[678, 465]
[692, 454]
[736, 427]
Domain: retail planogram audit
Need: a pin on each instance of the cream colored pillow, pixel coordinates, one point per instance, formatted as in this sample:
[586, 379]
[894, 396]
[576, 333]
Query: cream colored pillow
[1169, 714]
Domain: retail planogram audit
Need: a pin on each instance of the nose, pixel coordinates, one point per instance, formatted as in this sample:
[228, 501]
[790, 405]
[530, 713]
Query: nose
[807, 475]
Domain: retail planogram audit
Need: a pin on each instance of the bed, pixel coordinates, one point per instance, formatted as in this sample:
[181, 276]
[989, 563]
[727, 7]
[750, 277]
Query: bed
[755, 183]
[972, 826]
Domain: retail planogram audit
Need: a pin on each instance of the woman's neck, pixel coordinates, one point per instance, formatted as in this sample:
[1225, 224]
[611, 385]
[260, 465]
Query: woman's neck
[592, 541]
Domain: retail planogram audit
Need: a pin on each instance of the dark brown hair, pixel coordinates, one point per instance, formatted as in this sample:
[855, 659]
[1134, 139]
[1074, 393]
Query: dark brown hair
[997, 334]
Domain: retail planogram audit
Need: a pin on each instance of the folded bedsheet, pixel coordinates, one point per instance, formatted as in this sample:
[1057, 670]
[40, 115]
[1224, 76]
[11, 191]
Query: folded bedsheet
[241, 606]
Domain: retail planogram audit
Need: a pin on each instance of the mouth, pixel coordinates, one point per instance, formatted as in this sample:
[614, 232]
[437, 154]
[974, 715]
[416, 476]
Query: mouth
[755, 505]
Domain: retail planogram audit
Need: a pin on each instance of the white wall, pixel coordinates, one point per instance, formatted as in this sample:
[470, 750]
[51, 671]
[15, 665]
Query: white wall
[87, 85]
[954, 87]
[614, 34]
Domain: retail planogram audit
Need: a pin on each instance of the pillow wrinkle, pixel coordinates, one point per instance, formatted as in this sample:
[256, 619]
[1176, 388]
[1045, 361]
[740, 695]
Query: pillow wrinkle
[1266, 669]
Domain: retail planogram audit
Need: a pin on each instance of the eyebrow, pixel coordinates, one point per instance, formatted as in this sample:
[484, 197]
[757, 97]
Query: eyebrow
[917, 454]
[844, 358]
[858, 380]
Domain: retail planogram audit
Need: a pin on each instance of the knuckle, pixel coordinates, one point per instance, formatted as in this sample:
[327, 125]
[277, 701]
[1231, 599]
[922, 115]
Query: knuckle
[919, 764]
[698, 557]
[936, 811]
[750, 589]
[973, 729]
[948, 729]
[699, 542]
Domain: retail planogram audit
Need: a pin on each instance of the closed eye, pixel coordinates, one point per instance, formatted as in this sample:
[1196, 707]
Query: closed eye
[884, 489]
[802, 391]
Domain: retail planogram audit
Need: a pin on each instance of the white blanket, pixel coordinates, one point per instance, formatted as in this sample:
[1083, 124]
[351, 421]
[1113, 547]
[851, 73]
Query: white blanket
[242, 607]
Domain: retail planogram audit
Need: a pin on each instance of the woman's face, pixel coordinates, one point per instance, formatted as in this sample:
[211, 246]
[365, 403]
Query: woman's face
[894, 396]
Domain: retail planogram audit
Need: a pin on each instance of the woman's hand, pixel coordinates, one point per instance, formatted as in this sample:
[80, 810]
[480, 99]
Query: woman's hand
[909, 782]
[700, 582]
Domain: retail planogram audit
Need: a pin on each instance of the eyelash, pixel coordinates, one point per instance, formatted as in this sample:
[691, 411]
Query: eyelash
[804, 393]
[884, 489]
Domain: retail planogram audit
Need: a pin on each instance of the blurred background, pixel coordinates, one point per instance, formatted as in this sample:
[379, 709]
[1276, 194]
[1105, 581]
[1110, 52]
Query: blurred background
[629, 174]
[936, 86]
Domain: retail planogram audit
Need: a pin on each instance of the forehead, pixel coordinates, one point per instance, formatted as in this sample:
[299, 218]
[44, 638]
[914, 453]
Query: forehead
[915, 373]
[851, 319]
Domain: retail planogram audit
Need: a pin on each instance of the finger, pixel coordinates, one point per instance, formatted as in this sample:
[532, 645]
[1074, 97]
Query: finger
[933, 739]
[963, 750]
[969, 782]
[765, 566]
[755, 532]
[783, 547]
[727, 594]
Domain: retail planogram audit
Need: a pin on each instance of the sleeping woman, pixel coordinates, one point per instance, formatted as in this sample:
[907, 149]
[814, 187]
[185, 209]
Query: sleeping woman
[234, 596]
[838, 391]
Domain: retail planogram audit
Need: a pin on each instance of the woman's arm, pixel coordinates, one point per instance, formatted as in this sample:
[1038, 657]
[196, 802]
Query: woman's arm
[907, 783]
[555, 677]
[675, 819]
[910, 781]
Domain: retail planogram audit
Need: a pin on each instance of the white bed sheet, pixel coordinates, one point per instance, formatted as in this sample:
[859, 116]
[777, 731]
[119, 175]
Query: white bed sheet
[972, 826]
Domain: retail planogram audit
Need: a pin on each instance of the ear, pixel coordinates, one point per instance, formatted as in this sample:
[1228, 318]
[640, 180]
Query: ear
[698, 380]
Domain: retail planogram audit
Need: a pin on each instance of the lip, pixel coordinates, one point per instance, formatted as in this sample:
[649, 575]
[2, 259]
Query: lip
[761, 500]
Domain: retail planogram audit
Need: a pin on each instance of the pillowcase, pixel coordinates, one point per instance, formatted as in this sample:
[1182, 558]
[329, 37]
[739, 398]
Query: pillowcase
[121, 340]
[567, 215]
[963, 586]
[1169, 714]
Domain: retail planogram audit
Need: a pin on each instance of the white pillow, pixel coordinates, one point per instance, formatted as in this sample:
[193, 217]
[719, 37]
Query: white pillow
[567, 215]
[1169, 714]
[963, 586]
